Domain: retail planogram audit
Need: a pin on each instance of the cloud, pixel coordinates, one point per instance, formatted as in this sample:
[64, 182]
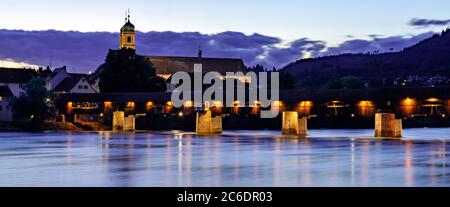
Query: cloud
[80, 51]
[428, 22]
[10, 63]
[85, 51]
[377, 43]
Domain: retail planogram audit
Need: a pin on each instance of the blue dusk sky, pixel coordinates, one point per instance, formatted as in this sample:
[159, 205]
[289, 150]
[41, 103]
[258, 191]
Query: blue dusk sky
[270, 32]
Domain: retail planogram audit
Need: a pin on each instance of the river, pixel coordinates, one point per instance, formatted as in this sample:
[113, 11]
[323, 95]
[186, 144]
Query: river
[236, 158]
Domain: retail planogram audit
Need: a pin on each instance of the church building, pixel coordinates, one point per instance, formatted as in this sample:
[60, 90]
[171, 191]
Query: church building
[167, 65]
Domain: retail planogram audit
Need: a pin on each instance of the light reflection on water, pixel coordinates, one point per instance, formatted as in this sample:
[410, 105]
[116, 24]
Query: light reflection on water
[237, 158]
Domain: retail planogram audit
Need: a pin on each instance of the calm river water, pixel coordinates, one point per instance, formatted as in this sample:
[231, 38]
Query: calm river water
[237, 158]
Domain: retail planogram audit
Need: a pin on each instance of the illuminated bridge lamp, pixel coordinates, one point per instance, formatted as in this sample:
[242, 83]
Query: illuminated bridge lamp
[217, 104]
[130, 107]
[432, 104]
[305, 108]
[130, 104]
[188, 104]
[278, 105]
[217, 107]
[256, 108]
[235, 109]
[408, 106]
[335, 105]
[107, 105]
[149, 105]
[366, 108]
[168, 107]
[69, 107]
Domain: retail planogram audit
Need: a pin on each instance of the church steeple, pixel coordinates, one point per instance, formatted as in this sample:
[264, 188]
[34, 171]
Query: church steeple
[127, 34]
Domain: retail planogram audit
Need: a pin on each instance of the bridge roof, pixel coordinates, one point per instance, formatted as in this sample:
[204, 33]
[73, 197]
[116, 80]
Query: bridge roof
[319, 95]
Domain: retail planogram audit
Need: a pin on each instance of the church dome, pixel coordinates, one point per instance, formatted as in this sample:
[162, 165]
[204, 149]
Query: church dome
[128, 27]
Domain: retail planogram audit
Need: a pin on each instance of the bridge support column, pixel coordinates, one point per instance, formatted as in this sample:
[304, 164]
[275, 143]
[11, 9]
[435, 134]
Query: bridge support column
[129, 123]
[292, 126]
[387, 126]
[303, 127]
[118, 120]
[206, 124]
[217, 124]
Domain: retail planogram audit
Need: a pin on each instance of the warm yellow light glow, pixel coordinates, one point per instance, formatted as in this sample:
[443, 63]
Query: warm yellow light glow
[433, 100]
[107, 104]
[335, 104]
[305, 108]
[217, 103]
[256, 108]
[69, 107]
[169, 103]
[188, 104]
[180, 114]
[365, 108]
[306, 103]
[149, 104]
[131, 104]
[365, 104]
[278, 103]
[408, 106]
[408, 102]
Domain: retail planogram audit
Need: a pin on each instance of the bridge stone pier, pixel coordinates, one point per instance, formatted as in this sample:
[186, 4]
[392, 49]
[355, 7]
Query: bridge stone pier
[293, 126]
[118, 120]
[129, 123]
[387, 126]
[206, 124]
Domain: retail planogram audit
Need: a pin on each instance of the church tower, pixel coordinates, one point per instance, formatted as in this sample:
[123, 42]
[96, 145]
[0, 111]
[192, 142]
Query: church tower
[127, 34]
